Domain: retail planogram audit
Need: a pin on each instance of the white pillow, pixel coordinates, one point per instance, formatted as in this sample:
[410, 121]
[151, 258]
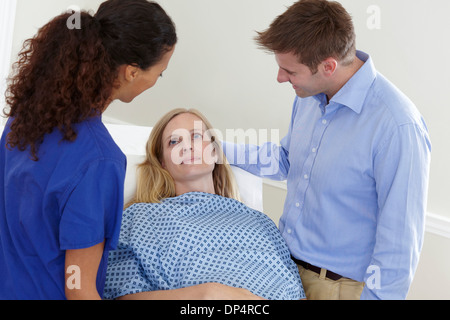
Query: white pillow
[132, 140]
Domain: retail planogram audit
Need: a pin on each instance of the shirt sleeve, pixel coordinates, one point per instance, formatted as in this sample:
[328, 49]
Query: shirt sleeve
[401, 174]
[266, 161]
[93, 210]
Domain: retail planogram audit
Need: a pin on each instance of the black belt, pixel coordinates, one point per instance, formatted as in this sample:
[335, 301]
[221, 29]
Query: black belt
[330, 275]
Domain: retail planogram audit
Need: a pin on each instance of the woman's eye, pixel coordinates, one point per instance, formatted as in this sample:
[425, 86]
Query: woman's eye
[173, 142]
[197, 136]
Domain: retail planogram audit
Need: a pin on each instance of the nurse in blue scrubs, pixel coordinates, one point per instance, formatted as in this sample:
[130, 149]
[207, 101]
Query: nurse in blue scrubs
[61, 174]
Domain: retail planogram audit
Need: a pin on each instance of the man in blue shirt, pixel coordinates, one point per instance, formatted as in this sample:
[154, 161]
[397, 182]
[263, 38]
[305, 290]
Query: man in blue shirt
[356, 159]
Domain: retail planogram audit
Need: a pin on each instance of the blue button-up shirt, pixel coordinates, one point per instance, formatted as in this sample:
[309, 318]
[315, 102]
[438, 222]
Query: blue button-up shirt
[357, 173]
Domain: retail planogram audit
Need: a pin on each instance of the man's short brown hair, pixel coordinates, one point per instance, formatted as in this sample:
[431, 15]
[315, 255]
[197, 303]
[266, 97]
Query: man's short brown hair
[314, 30]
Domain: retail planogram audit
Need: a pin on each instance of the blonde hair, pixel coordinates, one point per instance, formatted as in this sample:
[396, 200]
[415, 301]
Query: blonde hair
[154, 183]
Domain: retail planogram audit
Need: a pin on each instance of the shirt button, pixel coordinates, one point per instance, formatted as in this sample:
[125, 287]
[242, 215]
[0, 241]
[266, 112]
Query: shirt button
[314, 150]
[289, 231]
[297, 205]
[324, 121]
[306, 177]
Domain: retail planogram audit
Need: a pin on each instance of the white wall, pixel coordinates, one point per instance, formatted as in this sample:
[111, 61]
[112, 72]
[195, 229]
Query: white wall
[7, 17]
[218, 69]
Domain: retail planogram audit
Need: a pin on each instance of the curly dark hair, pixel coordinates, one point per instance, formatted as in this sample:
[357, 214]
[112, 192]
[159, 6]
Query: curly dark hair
[64, 76]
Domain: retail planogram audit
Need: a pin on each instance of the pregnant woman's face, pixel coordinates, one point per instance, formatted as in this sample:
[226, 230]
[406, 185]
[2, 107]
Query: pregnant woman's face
[188, 153]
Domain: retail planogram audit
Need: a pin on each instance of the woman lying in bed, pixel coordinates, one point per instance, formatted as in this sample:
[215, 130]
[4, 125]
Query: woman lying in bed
[186, 235]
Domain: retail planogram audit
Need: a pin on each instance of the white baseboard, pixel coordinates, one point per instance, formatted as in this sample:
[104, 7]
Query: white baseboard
[276, 184]
[435, 224]
[438, 225]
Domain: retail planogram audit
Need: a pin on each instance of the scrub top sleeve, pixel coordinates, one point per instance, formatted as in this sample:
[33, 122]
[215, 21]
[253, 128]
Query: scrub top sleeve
[93, 211]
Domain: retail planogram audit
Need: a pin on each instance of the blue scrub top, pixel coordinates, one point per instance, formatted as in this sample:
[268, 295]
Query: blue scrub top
[72, 198]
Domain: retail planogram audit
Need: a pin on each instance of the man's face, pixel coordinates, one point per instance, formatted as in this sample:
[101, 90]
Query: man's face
[304, 82]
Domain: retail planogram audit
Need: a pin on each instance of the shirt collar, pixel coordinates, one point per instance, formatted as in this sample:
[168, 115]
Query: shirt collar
[354, 92]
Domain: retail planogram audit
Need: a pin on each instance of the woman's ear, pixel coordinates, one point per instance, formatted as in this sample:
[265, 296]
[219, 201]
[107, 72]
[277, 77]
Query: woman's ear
[130, 72]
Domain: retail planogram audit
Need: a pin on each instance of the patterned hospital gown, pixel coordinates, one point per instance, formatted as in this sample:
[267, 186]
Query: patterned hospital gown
[199, 238]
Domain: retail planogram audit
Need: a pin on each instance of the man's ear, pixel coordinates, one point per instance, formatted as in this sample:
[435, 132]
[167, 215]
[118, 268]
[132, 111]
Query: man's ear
[329, 66]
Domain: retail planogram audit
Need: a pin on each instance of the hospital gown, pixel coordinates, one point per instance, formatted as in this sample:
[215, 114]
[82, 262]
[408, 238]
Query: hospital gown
[199, 238]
